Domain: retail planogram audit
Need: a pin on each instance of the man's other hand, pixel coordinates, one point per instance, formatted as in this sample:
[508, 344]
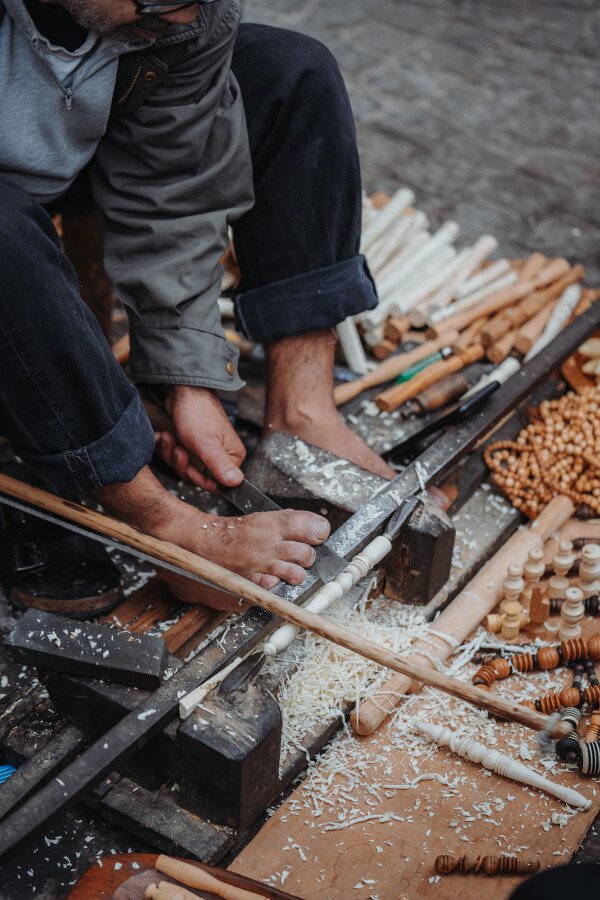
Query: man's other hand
[203, 436]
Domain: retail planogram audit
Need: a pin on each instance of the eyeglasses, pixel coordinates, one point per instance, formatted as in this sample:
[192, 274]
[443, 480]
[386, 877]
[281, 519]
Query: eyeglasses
[156, 7]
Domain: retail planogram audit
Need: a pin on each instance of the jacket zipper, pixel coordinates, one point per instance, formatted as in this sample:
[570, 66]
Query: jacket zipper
[131, 86]
[68, 97]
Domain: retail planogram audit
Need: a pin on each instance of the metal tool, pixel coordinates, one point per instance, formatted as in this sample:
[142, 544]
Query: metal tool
[413, 432]
[248, 499]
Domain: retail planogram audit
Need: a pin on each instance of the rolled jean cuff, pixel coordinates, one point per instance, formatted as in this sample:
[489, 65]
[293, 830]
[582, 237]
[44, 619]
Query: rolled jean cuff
[116, 457]
[309, 302]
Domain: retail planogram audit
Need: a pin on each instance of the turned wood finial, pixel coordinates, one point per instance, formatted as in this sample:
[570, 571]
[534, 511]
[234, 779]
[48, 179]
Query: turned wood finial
[562, 562]
[512, 585]
[589, 570]
[571, 613]
[513, 619]
[489, 865]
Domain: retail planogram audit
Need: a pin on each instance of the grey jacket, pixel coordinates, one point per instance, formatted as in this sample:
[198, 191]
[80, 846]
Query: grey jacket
[171, 171]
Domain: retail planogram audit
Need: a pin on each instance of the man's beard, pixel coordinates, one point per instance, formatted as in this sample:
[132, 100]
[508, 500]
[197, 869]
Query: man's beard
[97, 20]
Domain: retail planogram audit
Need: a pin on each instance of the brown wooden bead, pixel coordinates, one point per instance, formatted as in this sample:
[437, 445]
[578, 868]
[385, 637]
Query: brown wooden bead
[501, 667]
[593, 647]
[523, 662]
[548, 658]
[593, 729]
[574, 649]
[485, 676]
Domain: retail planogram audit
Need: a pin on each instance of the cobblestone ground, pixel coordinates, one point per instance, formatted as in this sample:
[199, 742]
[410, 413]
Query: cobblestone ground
[488, 110]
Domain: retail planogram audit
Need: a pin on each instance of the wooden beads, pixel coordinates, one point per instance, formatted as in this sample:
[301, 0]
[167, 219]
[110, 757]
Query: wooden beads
[556, 454]
[546, 658]
[553, 702]
[489, 865]
[593, 729]
[589, 761]
[568, 748]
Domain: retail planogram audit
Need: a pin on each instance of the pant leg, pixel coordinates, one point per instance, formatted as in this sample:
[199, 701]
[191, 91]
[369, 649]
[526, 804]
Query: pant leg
[65, 405]
[298, 247]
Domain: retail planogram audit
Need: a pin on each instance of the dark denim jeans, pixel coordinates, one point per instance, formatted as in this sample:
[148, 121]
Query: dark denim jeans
[65, 404]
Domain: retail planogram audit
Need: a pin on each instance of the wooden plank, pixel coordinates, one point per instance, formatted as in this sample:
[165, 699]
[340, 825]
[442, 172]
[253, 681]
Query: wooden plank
[154, 591]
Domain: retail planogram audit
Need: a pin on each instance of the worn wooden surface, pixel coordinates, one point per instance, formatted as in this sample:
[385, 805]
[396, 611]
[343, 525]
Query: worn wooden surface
[475, 812]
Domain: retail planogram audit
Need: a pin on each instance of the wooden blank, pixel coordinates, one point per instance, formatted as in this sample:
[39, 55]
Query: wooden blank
[391, 368]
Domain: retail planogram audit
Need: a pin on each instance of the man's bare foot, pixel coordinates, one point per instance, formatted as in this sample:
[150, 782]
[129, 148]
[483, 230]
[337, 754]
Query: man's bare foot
[300, 399]
[264, 547]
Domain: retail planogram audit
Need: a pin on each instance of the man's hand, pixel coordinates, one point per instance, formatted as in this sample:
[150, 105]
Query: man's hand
[203, 436]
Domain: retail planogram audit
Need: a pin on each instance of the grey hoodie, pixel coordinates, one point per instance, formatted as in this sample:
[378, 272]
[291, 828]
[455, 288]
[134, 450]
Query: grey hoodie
[171, 169]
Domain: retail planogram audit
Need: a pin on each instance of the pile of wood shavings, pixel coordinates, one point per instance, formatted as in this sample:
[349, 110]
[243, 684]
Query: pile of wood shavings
[326, 677]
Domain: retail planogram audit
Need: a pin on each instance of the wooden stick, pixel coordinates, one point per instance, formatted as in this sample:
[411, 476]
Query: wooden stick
[395, 328]
[528, 334]
[383, 349]
[166, 890]
[517, 315]
[351, 345]
[398, 394]
[195, 877]
[475, 255]
[560, 315]
[468, 337]
[391, 368]
[476, 299]
[554, 270]
[484, 276]
[241, 587]
[532, 265]
[468, 609]
[498, 352]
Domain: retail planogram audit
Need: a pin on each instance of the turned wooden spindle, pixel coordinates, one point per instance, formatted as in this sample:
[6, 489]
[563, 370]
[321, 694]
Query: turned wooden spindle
[562, 563]
[589, 758]
[489, 865]
[512, 585]
[572, 612]
[589, 570]
[568, 748]
[500, 763]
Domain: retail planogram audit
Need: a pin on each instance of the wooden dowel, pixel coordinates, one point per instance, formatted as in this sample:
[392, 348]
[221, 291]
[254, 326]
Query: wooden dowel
[490, 273]
[533, 265]
[165, 890]
[391, 368]
[516, 315]
[468, 609]
[382, 350]
[195, 877]
[500, 350]
[554, 270]
[528, 334]
[469, 335]
[473, 258]
[398, 394]
[241, 587]
[395, 328]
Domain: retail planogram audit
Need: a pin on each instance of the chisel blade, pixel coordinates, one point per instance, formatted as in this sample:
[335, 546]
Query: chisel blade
[249, 499]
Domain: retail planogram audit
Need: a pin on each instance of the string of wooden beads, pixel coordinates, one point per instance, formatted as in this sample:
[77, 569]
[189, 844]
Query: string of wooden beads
[557, 453]
[489, 865]
[589, 759]
[570, 696]
[543, 659]
[593, 729]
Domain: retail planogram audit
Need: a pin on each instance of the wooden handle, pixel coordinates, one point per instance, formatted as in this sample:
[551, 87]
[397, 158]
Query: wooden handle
[241, 587]
[198, 878]
[398, 394]
[554, 270]
[447, 389]
[468, 609]
[395, 328]
[393, 367]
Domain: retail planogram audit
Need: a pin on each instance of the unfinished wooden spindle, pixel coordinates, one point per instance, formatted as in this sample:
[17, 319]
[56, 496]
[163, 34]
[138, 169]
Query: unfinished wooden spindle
[572, 612]
[355, 571]
[488, 865]
[589, 570]
[500, 763]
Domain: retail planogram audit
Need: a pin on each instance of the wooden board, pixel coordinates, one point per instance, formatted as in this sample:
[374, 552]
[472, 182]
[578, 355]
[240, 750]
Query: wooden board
[477, 812]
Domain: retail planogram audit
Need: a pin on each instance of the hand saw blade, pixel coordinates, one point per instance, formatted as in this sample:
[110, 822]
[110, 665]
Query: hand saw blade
[249, 499]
